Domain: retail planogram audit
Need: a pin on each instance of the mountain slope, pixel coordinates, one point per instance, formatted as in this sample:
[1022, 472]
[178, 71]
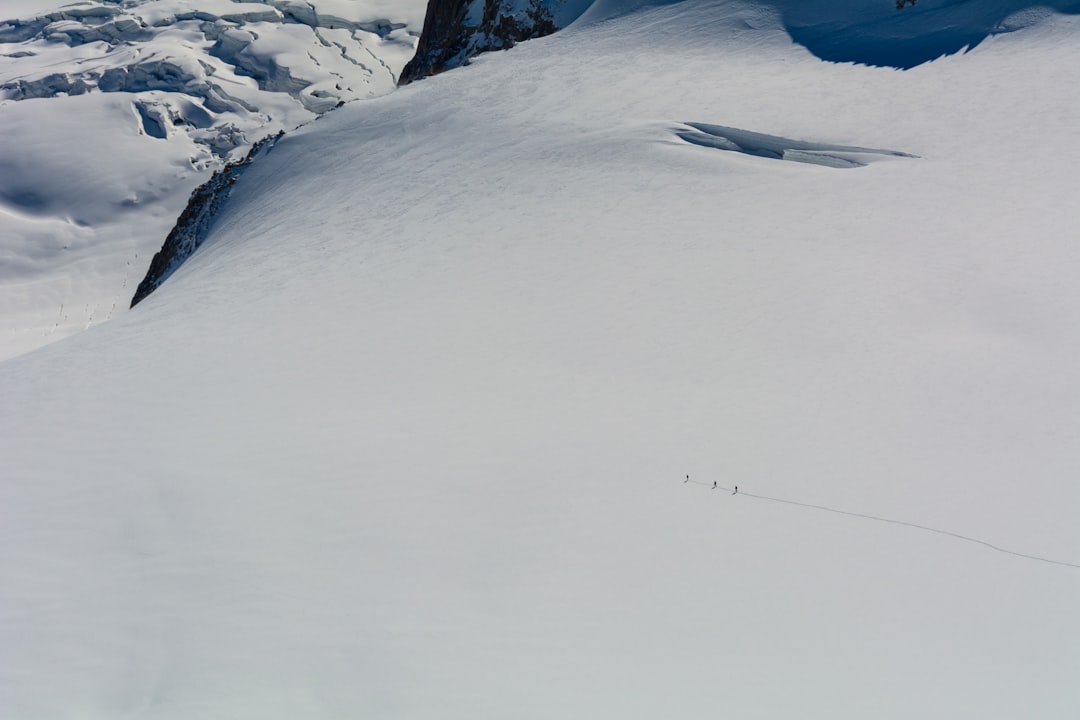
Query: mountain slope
[407, 436]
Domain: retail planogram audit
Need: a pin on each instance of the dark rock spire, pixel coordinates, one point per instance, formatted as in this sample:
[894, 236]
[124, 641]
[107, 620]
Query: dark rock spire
[456, 30]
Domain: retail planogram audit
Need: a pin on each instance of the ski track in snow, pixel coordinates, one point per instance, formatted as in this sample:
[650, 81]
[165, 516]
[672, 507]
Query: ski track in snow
[392, 443]
[876, 518]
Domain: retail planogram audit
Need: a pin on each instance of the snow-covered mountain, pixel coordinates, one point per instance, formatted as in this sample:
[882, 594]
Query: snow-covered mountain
[114, 112]
[429, 426]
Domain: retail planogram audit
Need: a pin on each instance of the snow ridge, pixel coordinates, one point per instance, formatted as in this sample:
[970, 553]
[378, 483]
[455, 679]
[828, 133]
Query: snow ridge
[891, 521]
[194, 223]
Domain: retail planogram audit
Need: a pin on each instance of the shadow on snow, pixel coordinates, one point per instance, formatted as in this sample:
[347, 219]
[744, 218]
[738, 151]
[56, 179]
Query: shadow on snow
[781, 148]
[886, 36]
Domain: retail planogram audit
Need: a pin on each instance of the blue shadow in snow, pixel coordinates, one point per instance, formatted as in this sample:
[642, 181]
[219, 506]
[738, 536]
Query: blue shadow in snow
[904, 38]
[775, 147]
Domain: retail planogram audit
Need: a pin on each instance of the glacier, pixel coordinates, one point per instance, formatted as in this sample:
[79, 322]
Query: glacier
[408, 435]
[148, 99]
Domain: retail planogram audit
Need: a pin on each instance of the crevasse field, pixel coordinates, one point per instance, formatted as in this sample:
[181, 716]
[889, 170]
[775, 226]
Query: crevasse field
[112, 112]
[407, 438]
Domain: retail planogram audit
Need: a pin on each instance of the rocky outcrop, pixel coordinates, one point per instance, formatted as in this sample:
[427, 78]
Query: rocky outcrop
[456, 30]
[192, 225]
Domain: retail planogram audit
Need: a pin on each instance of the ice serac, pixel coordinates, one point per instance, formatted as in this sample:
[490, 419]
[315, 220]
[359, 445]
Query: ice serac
[254, 67]
[457, 30]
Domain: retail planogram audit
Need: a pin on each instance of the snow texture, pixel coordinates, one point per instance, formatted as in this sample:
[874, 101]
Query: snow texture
[408, 435]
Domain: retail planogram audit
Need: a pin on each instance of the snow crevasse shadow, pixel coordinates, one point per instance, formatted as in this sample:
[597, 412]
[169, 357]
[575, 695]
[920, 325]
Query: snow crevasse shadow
[781, 148]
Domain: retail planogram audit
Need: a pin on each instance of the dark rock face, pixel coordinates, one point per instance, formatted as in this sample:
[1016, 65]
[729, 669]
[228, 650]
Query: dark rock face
[456, 30]
[192, 225]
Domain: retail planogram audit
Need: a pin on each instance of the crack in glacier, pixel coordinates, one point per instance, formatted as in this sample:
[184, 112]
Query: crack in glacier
[776, 147]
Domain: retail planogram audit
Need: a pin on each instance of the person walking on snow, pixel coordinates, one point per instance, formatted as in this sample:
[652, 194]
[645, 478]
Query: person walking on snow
[736, 489]
[714, 485]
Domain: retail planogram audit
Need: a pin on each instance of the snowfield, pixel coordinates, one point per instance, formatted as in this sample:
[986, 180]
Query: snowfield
[407, 437]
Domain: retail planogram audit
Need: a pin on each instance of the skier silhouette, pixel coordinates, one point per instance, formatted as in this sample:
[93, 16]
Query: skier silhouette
[686, 480]
[714, 485]
[736, 489]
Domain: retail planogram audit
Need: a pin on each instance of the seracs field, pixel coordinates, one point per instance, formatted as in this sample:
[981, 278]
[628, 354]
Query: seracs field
[112, 113]
[408, 436]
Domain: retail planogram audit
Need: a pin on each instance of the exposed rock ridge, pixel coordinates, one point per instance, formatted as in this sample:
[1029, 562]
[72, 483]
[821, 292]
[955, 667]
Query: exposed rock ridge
[192, 225]
[456, 30]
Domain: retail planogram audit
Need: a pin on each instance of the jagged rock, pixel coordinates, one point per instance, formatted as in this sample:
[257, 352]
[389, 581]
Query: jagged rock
[456, 30]
[191, 227]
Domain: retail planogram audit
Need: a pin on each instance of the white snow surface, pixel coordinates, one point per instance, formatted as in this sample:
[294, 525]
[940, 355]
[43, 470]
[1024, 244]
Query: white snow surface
[23, 8]
[114, 112]
[406, 438]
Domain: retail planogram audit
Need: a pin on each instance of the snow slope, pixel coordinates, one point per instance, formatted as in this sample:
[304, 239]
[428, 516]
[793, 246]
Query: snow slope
[407, 436]
[23, 8]
[113, 113]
